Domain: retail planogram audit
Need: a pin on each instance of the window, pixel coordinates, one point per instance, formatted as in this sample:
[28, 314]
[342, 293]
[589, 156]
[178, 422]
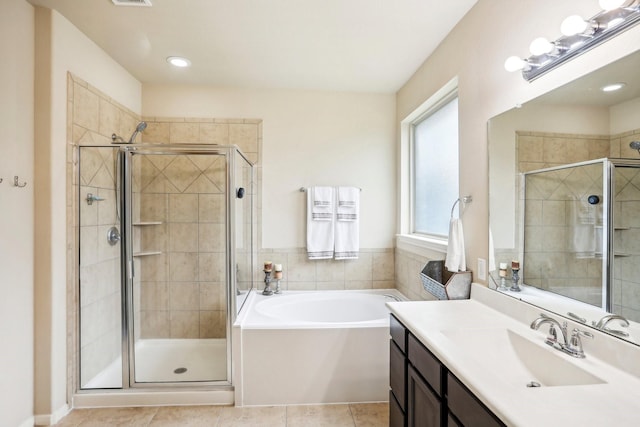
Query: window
[434, 139]
[429, 173]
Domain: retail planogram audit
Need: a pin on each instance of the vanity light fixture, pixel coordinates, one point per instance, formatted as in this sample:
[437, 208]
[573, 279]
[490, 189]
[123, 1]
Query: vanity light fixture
[578, 36]
[178, 61]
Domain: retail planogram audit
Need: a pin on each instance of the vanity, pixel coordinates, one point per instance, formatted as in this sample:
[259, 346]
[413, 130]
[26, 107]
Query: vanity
[478, 362]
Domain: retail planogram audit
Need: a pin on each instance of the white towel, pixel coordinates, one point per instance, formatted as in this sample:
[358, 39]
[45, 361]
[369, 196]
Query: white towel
[347, 245]
[320, 224]
[348, 204]
[583, 232]
[322, 203]
[455, 249]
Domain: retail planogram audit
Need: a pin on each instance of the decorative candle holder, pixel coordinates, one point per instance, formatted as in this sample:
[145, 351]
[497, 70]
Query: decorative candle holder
[514, 286]
[503, 277]
[267, 283]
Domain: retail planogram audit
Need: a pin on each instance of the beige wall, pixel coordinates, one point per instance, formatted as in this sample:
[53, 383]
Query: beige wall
[16, 215]
[475, 51]
[60, 48]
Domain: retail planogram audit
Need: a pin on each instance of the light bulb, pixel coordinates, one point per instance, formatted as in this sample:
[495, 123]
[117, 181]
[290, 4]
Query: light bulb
[178, 61]
[614, 22]
[611, 4]
[514, 63]
[613, 87]
[573, 25]
[540, 46]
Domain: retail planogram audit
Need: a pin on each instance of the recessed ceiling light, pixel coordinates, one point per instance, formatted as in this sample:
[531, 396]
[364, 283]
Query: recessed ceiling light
[146, 3]
[178, 61]
[613, 87]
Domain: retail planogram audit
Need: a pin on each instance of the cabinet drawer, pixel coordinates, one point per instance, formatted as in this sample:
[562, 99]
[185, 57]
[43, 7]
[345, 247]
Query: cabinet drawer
[467, 408]
[425, 363]
[397, 373]
[398, 333]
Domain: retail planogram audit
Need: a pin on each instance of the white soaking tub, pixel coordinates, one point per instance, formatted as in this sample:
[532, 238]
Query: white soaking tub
[306, 347]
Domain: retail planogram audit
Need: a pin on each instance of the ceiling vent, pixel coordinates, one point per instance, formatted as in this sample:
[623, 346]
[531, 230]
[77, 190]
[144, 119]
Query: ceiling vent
[146, 3]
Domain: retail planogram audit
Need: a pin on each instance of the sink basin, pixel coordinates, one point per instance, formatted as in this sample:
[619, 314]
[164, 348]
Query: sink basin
[519, 360]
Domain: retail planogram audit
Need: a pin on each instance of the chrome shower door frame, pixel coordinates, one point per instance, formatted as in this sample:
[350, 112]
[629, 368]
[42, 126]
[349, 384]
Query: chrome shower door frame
[125, 152]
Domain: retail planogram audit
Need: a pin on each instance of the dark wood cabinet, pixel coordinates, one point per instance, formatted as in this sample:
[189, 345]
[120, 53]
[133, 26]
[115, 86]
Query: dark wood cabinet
[397, 373]
[466, 407]
[423, 405]
[424, 393]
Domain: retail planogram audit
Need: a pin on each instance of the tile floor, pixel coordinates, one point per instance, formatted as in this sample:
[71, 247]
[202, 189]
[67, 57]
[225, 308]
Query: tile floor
[342, 415]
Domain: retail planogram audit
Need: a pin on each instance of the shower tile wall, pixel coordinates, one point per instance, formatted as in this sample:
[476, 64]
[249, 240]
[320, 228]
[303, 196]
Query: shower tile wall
[181, 289]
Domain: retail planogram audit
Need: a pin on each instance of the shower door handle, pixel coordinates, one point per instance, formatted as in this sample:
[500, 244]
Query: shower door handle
[131, 272]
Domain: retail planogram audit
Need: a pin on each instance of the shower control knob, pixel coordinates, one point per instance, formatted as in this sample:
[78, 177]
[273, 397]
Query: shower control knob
[593, 199]
[240, 193]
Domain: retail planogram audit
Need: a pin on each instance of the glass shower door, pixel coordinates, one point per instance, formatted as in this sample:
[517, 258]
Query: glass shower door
[565, 244]
[625, 228]
[178, 253]
[100, 290]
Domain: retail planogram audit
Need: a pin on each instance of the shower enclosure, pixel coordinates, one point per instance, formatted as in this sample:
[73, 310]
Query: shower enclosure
[581, 227]
[167, 251]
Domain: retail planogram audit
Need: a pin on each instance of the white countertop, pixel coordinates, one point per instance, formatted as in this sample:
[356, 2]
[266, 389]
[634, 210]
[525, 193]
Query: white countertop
[613, 403]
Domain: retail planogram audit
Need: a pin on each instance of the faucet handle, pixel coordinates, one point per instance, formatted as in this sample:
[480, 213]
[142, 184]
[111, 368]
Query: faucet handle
[552, 338]
[574, 348]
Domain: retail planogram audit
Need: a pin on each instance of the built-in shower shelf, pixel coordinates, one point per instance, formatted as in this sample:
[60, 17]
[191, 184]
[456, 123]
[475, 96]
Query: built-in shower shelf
[149, 253]
[620, 228]
[621, 254]
[148, 223]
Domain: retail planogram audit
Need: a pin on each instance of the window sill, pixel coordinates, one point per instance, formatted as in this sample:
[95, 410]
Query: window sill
[423, 246]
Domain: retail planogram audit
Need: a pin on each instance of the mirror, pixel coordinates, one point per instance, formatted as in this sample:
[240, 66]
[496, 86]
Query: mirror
[546, 151]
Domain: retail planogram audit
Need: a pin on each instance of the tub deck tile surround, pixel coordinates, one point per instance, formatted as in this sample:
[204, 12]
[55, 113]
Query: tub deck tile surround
[347, 415]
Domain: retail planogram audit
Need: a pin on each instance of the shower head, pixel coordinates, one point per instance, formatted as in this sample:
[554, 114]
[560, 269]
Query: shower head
[141, 127]
[635, 145]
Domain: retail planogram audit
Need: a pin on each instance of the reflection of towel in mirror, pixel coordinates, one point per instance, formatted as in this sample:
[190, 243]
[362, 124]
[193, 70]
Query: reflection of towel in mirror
[582, 241]
[455, 248]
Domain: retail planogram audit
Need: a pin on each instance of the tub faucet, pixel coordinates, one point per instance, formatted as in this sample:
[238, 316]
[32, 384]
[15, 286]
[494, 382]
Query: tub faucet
[552, 338]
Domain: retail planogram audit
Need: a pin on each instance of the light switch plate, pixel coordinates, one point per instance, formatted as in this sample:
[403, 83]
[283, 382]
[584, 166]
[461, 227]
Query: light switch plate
[482, 269]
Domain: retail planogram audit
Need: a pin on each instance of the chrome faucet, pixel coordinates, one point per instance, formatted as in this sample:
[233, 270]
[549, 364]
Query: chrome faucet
[572, 345]
[552, 338]
[602, 324]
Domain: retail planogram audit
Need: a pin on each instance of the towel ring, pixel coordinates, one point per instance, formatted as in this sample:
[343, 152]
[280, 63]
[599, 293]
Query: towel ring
[465, 200]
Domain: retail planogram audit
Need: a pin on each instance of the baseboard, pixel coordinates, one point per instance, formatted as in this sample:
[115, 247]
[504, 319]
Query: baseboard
[50, 419]
[153, 398]
[29, 422]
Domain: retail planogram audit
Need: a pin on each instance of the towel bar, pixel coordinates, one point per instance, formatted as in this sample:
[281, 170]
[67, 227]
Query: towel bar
[304, 189]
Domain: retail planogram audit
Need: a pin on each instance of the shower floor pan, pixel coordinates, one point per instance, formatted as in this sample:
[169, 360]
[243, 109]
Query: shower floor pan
[170, 360]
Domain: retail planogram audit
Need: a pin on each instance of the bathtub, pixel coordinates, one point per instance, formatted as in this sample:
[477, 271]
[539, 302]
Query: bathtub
[308, 347]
